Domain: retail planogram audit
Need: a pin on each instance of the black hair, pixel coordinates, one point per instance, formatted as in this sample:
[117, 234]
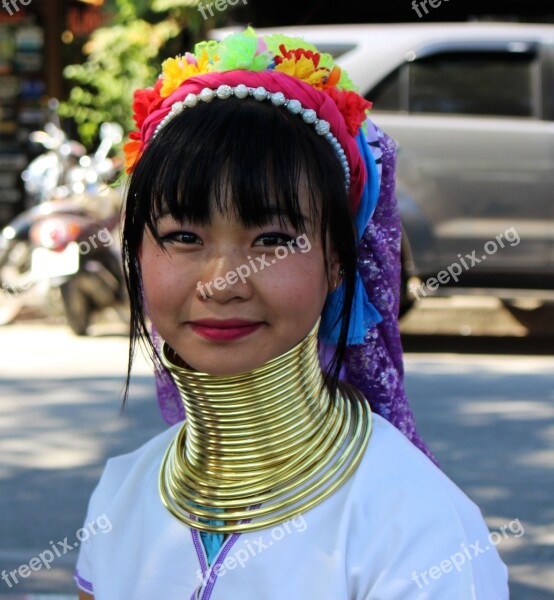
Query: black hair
[243, 156]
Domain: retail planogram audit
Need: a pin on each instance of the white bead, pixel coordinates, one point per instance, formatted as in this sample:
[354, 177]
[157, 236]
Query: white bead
[241, 91]
[191, 100]
[322, 127]
[224, 92]
[207, 95]
[260, 94]
[278, 99]
[177, 107]
[309, 115]
[294, 106]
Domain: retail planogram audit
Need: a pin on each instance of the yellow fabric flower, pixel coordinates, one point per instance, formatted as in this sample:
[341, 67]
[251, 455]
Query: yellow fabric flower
[177, 70]
[304, 69]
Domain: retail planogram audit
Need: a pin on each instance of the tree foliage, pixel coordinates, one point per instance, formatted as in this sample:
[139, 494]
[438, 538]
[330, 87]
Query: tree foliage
[123, 56]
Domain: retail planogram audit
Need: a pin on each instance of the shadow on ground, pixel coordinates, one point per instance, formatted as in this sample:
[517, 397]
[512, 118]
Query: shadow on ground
[48, 472]
[490, 422]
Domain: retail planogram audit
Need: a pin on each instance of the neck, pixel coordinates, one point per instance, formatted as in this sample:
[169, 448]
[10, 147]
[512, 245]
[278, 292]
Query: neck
[257, 437]
[259, 416]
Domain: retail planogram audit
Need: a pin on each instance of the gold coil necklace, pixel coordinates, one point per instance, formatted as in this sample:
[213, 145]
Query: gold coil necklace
[261, 446]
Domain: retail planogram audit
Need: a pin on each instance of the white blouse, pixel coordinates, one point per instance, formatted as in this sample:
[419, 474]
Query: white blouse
[398, 529]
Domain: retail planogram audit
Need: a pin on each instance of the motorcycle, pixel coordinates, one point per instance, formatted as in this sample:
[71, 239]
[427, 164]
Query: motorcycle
[68, 244]
[46, 173]
[74, 251]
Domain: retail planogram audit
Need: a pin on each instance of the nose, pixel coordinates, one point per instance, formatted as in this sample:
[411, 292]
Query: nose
[225, 278]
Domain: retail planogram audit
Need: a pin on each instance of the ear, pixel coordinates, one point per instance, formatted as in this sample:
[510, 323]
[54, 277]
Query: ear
[335, 276]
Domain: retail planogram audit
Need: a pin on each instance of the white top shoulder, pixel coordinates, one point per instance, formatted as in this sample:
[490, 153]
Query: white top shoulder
[398, 529]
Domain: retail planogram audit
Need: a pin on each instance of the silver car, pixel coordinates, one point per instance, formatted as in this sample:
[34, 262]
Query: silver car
[471, 106]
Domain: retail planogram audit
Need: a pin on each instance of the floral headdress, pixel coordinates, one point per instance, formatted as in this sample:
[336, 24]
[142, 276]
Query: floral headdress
[246, 51]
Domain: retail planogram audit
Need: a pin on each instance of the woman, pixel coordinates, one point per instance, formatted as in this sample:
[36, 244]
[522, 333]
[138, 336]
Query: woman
[261, 240]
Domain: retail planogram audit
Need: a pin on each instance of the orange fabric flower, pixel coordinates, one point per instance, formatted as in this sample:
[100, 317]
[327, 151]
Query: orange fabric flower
[333, 79]
[132, 150]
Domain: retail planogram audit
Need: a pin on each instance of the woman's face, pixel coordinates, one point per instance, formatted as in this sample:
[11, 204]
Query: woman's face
[228, 298]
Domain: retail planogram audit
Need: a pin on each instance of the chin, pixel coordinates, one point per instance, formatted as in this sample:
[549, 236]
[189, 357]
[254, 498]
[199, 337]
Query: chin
[222, 368]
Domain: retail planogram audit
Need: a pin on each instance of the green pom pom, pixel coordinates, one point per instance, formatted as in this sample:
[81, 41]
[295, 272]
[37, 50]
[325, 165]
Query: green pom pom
[239, 51]
[345, 83]
[211, 47]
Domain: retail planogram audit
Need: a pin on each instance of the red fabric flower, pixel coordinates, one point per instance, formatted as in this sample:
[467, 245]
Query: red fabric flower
[296, 54]
[352, 106]
[145, 102]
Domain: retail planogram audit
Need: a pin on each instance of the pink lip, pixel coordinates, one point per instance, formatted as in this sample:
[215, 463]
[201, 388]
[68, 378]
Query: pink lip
[221, 330]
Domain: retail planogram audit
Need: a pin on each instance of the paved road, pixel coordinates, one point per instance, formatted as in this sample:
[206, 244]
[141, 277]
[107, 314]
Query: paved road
[488, 417]
[490, 421]
[60, 421]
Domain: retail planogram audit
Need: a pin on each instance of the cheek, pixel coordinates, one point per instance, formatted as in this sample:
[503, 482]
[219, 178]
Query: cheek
[298, 285]
[159, 281]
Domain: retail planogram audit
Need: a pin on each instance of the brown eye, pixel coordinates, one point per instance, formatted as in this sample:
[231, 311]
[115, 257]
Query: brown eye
[180, 237]
[274, 239]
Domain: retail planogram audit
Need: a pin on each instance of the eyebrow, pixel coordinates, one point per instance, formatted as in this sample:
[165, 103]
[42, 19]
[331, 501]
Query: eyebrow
[276, 211]
[270, 213]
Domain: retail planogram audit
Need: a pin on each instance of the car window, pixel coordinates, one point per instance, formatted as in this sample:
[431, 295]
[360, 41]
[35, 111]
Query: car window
[387, 95]
[470, 83]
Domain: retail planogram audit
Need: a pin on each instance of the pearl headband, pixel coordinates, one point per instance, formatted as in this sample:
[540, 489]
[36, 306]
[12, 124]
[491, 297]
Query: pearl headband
[242, 91]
